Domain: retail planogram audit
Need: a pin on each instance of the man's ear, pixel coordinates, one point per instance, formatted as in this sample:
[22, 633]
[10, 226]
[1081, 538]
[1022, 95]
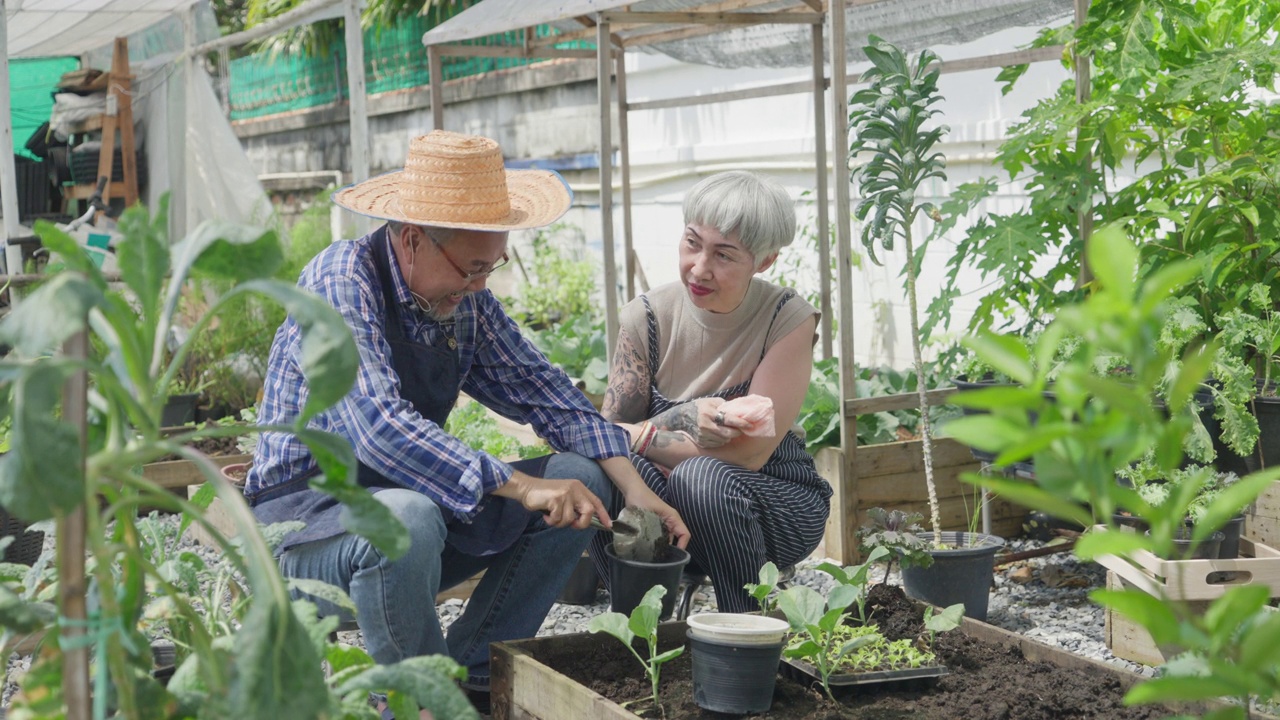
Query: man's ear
[767, 262]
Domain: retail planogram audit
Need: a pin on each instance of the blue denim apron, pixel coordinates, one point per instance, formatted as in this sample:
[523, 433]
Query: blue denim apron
[430, 382]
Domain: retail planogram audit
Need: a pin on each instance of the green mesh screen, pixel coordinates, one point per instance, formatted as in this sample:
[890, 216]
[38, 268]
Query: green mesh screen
[394, 59]
[32, 83]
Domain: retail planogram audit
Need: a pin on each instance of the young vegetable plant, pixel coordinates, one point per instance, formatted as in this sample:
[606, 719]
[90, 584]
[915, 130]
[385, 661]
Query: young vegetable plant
[816, 623]
[642, 623]
[949, 619]
[763, 590]
[855, 576]
[898, 532]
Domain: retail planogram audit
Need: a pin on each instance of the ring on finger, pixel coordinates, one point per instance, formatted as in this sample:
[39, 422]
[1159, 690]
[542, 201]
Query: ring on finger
[719, 418]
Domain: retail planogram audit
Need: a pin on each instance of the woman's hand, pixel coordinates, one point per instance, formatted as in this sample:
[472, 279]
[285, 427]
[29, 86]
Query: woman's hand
[702, 421]
[645, 498]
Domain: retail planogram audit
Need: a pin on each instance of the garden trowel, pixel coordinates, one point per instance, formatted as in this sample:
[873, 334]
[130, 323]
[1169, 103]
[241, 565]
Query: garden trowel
[649, 541]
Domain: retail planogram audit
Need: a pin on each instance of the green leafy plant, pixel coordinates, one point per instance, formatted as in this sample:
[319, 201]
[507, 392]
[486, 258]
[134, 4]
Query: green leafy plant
[816, 623]
[577, 345]
[864, 649]
[643, 623]
[898, 532]
[855, 576]
[472, 424]
[261, 658]
[763, 590]
[556, 287]
[949, 619]
[889, 119]
[1097, 425]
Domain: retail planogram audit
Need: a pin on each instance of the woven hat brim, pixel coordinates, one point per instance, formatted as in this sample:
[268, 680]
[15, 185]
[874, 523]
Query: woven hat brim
[538, 198]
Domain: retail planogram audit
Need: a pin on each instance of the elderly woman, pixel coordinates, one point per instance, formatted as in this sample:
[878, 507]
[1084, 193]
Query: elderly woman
[686, 348]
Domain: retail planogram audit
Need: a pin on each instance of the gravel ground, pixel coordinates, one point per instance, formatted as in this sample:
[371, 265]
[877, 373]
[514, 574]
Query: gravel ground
[1043, 598]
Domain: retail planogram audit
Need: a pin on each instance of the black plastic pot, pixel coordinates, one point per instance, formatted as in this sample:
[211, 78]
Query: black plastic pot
[629, 580]
[729, 678]
[179, 410]
[1230, 547]
[1267, 454]
[582, 585]
[1133, 522]
[963, 384]
[1185, 549]
[961, 572]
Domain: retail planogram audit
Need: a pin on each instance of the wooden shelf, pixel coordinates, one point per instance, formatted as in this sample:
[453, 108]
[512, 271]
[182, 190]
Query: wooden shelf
[84, 192]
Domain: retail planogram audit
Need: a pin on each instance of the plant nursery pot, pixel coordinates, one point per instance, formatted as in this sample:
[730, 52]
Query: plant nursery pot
[582, 584]
[961, 572]
[737, 628]
[1207, 549]
[629, 580]
[179, 410]
[963, 384]
[235, 473]
[1267, 453]
[731, 676]
[1129, 523]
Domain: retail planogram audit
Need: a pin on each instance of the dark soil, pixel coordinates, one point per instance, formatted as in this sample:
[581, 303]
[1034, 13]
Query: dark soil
[211, 447]
[988, 681]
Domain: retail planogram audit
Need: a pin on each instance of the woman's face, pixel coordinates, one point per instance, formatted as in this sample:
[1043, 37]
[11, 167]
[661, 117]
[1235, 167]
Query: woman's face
[716, 270]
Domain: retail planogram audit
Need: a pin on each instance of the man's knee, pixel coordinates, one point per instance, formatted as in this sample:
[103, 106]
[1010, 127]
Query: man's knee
[420, 515]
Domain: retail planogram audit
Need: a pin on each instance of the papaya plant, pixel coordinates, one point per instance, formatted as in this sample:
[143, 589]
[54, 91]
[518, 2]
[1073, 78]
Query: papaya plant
[77, 459]
[891, 120]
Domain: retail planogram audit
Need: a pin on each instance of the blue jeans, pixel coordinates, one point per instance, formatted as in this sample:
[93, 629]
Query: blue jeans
[395, 601]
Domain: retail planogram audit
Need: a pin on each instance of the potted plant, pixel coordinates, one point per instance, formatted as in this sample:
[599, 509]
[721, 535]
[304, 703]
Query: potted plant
[83, 468]
[889, 119]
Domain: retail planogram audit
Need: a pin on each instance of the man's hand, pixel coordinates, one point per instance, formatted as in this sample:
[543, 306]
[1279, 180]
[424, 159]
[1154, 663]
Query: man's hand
[563, 503]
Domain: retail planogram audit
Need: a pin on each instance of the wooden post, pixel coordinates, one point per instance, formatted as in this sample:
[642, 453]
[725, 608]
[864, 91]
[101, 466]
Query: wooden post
[72, 581]
[8, 170]
[1084, 213]
[357, 103]
[848, 481]
[820, 159]
[624, 156]
[603, 48]
[122, 88]
[436, 79]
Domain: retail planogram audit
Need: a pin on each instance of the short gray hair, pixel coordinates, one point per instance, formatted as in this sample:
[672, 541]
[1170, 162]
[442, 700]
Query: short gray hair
[440, 235]
[758, 209]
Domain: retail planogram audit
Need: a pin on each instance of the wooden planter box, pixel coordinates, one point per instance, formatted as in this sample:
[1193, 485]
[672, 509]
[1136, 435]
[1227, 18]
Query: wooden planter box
[525, 689]
[1192, 583]
[179, 474]
[891, 476]
[1262, 518]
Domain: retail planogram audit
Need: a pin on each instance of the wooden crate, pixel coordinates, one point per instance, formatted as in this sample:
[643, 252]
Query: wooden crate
[1258, 564]
[891, 476]
[177, 474]
[525, 689]
[1262, 518]
[1129, 640]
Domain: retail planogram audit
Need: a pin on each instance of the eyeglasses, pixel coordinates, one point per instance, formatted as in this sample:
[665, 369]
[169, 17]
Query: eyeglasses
[472, 276]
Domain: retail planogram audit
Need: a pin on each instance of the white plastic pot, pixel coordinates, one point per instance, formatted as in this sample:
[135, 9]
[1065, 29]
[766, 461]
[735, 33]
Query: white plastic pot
[737, 628]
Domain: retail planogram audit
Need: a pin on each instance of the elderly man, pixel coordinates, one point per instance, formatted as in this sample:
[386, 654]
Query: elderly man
[413, 293]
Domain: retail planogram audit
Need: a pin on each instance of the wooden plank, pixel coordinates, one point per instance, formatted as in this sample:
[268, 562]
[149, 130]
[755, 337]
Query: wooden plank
[623, 17]
[1129, 640]
[1017, 57]
[173, 474]
[654, 36]
[840, 540]
[888, 403]
[512, 51]
[910, 487]
[791, 88]
[1258, 564]
[907, 457]
[954, 513]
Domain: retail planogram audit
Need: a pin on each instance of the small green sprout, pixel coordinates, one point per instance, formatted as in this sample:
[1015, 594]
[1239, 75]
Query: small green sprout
[761, 591]
[946, 621]
[814, 621]
[855, 576]
[642, 623]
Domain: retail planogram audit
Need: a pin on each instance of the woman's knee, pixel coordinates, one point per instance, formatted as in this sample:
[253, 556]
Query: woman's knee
[699, 482]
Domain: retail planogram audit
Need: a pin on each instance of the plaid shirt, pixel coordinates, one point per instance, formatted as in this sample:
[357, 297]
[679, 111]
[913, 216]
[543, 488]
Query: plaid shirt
[498, 367]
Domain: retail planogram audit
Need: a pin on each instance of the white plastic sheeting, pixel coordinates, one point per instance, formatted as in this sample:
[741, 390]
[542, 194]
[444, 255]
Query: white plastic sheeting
[50, 28]
[910, 24]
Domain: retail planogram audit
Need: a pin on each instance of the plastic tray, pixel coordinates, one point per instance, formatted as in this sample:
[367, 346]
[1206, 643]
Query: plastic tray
[802, 671]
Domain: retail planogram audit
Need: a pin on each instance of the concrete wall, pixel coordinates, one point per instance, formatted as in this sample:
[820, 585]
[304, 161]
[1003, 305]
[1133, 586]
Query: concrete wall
[547, 114]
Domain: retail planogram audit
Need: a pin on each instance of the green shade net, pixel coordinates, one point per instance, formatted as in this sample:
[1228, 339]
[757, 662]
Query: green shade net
[31, 83]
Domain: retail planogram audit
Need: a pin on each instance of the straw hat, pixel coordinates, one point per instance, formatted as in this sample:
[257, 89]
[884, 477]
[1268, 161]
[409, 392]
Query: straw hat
[458, 181]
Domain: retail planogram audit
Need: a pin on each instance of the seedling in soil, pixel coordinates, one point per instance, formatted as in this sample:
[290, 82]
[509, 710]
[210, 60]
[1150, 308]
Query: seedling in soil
[946, 621]
[855, 576]
[815, 623]
[864, 649]
[642, 623]
[898, 532]
[763, 590]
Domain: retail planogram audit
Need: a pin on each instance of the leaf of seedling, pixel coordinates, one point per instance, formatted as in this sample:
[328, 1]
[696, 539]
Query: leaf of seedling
[808, 648]
[856, 643]
[947, 620]
[832, 619]
[835, 571]
[802, 605]
[644, 618]
[616, 624]
[842, 596]
[671, 654]
[769, 575]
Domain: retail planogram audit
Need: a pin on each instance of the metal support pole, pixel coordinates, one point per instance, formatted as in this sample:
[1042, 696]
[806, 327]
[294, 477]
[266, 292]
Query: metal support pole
[358, 109]
[604, 71]
[8, 170]
[1084, 213]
